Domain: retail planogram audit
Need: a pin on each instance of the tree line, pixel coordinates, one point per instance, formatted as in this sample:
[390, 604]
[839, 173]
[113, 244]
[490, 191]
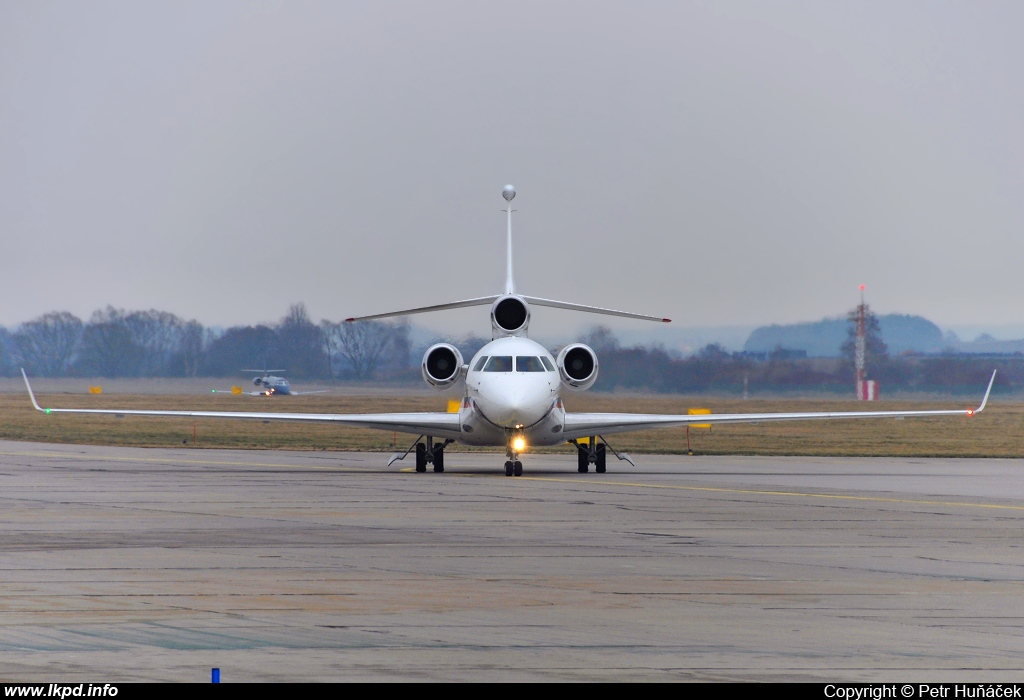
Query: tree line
[118, 343]
[715, 370]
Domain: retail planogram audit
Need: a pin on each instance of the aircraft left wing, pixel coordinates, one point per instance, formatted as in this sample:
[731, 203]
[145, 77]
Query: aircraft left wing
[443, 425]
[579, 425]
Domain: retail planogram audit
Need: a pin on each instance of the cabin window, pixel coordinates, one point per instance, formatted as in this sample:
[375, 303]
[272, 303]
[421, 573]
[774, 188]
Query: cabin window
[499, 363]
[529, 364]
[547, 363]
[480, 364]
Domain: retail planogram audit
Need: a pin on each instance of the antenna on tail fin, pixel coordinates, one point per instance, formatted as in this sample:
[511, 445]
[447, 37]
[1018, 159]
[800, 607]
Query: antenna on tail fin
[509, 194]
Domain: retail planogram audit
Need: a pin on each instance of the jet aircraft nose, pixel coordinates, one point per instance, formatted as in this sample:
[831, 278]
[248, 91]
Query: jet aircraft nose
[512, 401]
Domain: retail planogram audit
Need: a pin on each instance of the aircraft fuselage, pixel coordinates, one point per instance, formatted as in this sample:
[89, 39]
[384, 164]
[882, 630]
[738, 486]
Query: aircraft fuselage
[512, 388]
[273, 386]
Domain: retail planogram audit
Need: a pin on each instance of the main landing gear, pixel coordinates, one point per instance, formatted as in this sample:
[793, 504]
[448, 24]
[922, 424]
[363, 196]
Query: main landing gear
[592, 453]
[430, 453]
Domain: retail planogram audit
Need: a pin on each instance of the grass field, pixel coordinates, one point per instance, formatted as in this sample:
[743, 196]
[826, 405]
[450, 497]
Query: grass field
[998, 432]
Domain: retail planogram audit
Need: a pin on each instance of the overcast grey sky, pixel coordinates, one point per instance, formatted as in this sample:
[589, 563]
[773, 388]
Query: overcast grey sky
[719, 163]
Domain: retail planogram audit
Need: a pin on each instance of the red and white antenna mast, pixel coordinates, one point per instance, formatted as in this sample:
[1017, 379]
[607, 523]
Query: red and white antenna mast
[861, 344]
[867, 389]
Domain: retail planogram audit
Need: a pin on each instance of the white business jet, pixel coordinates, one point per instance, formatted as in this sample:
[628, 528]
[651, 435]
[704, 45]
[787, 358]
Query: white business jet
[270, 385]
[511, 397]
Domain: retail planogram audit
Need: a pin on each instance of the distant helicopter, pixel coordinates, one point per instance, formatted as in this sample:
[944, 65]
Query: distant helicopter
[271, 384]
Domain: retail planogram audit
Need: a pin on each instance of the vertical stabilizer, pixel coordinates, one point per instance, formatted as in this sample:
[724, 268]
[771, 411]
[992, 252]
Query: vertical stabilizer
[509, 194]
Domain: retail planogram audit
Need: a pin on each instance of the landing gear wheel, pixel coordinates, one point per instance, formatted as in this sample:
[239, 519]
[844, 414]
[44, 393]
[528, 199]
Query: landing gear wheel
[517, 468]
[509, 469]
[438, 459]
[601, 464]
[421, 457]
[583, 460]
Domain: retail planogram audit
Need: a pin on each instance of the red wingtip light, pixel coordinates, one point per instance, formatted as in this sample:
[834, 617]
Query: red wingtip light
[862, 288]
[349, 320]
[666, 320]
[970, 411]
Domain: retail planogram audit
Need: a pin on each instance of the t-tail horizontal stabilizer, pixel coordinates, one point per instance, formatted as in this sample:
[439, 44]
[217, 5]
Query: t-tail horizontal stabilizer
[537, 301]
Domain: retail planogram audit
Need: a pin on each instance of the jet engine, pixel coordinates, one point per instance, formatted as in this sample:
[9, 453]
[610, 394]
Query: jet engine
[257, 381]
[577, 366]
[510, 315]
[442, 365]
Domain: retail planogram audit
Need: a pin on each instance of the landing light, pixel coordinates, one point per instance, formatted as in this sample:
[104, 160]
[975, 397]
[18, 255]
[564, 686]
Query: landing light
[970, 411]
[518, 443]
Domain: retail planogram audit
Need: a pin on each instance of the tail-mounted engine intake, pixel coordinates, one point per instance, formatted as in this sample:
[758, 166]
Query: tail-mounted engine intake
[577, 365]
[257, 381]
[442, 365]
[510, 315]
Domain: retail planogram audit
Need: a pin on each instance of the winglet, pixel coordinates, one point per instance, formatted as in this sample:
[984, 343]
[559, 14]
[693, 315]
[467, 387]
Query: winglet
[988, 391]
[30, 394]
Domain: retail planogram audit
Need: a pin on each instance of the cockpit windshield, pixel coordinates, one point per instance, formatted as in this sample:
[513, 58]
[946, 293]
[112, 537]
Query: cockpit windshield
[529, 364]
[499, 363]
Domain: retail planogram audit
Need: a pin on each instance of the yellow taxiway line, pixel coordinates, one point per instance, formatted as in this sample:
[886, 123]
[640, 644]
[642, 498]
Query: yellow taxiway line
[565, 480]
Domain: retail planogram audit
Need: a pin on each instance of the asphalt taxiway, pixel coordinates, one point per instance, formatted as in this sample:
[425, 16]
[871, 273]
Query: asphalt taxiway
[123, 564]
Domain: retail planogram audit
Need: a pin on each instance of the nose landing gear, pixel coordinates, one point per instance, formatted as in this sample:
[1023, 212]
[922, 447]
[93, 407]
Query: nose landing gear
[513, 468]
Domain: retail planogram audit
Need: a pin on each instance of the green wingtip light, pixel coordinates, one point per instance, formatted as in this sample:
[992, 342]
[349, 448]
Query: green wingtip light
[213, 391]
[47, 410]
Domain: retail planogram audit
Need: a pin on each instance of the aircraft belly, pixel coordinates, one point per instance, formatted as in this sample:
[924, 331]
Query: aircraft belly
[477, 430]
[548, 431]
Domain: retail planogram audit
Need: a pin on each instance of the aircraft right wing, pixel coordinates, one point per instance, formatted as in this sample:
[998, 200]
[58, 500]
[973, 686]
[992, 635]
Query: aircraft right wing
[443, 425]
[579, 425]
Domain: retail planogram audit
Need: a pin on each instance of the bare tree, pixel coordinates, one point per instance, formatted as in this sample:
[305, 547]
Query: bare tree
[190, 347]
[108, 348]
[47, 344]
[301, 344]
[601, 339]
[158, 334]
[330, 334]
[364, 345]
